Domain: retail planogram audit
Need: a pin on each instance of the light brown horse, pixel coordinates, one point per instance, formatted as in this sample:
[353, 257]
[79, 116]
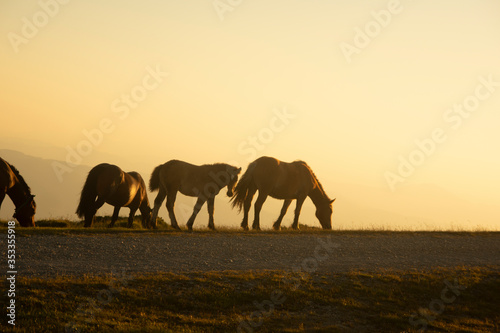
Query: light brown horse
[203, 181]
[107, 183]
[281, 180]
[13, 184]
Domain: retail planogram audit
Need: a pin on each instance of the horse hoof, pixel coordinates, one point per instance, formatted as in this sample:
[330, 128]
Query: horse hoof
[245, 228]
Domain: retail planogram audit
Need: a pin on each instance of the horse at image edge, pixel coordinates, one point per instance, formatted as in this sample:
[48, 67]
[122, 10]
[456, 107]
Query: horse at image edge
[13, 184]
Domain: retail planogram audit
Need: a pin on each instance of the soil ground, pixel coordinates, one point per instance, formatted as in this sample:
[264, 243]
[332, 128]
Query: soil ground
[49, 255]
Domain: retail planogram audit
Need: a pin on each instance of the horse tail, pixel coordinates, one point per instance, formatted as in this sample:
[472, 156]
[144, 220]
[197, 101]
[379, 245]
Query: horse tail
[89, 191]
[241, 189]
[154, 181]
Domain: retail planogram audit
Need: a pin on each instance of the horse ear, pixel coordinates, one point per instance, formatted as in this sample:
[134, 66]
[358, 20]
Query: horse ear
[239, 170]
[331, 201]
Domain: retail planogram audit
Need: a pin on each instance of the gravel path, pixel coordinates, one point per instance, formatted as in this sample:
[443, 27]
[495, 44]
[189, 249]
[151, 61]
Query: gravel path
[49, 255]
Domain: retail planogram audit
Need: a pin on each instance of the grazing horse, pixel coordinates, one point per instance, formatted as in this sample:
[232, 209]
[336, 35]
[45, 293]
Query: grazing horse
[203, 181]
[281, 180]
[13, 184]
[109, 184]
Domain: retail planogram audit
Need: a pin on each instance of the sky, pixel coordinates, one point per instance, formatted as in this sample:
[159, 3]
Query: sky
[393, 99]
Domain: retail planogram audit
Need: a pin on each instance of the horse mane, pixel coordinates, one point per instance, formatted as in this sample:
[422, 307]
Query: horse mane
[320, 186]
[20, 178]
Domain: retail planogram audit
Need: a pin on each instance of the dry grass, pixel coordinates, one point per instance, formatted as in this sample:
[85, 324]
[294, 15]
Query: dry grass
[268, 301]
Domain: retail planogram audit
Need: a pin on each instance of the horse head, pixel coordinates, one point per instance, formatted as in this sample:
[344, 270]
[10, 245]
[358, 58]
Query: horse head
[324, 214]
[233, 179]
[25, 213]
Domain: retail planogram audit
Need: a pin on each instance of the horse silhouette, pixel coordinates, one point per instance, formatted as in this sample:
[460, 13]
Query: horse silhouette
[203, 182]
[281, 180]
[13, 184]
[107, 183]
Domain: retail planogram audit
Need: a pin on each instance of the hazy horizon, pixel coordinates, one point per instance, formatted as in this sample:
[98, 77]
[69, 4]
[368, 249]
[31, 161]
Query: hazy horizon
[394, 104]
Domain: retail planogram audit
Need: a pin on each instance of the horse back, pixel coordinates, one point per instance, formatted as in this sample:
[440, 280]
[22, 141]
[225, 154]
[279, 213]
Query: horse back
[185, 177]
[108, 177]
[175, 172]
[282, 180]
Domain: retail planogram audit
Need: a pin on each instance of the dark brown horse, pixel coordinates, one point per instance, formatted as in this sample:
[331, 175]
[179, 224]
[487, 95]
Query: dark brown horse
[281, 180]
[203, 181]
[109, 184]
[12, 184]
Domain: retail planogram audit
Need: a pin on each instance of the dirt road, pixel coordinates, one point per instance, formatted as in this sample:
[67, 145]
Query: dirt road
[48, 255]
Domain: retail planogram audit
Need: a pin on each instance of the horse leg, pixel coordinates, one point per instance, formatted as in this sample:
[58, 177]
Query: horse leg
[146, 215]
[210, 207]
[257, 207]
[170, 207]
[286, 204]
[114, 217]
[131, 217]
[196, 210]
[246, 207]
[159, 199]
[89, 215]
[89, 219]
[300, 201]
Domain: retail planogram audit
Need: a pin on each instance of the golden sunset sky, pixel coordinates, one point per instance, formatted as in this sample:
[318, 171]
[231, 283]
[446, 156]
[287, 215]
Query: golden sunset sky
[394, 104]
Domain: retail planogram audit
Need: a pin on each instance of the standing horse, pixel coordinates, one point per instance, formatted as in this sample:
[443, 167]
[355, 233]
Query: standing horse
[281, 180]
[109, 184]
[203, 181]
[13, 184]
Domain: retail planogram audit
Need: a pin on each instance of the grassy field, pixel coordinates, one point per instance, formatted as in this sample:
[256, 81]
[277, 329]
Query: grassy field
[269, 301]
